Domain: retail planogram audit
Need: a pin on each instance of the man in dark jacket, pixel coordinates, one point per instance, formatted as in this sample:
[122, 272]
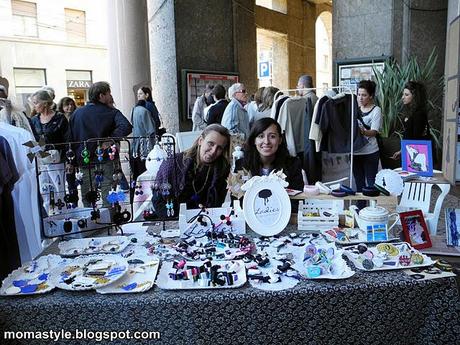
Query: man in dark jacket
[216, 111]
[97, 119]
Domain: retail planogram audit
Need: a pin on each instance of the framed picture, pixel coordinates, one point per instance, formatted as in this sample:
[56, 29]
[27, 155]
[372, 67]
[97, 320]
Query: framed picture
[350, 72]
[415, 230]
[417, 157]
[194, 83]
[266, 206]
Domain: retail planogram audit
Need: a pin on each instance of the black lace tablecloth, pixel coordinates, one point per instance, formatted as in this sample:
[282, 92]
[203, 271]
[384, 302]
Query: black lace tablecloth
[368, 308]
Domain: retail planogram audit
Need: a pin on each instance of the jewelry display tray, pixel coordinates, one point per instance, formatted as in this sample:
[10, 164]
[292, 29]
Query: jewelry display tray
[132, 277]
[427, 261]
[165, 283]
[82, 246]
[355, 241]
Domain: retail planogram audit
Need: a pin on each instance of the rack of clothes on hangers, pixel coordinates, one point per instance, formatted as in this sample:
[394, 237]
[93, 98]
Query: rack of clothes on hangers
[20, 237]
[313, 124]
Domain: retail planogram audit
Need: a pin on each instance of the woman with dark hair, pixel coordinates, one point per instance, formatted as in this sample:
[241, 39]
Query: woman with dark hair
[265, 151]
[366, 159]
[145, 121]
[197, 176]
[415, 113]
[67, 106]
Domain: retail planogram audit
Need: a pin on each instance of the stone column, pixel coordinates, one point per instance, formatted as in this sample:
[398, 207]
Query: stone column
[128, 51]
[161, 24]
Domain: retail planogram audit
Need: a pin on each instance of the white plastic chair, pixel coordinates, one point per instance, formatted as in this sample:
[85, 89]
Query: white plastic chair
[417, 196]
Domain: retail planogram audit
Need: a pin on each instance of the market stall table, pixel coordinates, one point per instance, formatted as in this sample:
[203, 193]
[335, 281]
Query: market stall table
[368, 308]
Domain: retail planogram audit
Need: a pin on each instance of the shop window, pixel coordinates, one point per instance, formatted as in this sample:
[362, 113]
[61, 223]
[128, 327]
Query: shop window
[24, 18]
[27, 81]
[275, 5]
[78, 84]
[75, 25]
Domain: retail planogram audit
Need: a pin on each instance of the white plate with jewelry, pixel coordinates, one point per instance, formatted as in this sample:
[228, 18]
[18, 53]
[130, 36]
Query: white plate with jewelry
[139, 278]
[89, 272]
[31, 278]
[197, 275]
[346, 236]
[386, 256]
[95, 245]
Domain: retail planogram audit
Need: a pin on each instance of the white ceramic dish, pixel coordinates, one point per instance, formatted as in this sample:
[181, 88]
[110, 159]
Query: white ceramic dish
[166, 283]
[111, 269]
[139, 278]
[95, 245]
[31, 278]
[427, 261]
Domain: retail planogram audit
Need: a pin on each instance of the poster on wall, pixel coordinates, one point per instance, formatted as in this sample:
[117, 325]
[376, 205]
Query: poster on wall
[195, 82]
[351, 72]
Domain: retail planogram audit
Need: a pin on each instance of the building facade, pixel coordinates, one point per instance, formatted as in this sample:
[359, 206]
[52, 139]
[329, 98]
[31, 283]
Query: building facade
[60, 43]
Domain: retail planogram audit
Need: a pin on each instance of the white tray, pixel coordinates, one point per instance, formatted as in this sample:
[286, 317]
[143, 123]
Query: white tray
[134, 281]
[95, 245]
[117, 262]
[166, 283]
[353, 258]
[362, 239]
[23, 280]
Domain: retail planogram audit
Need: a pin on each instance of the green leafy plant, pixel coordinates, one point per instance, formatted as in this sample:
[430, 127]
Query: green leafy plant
[390, 85]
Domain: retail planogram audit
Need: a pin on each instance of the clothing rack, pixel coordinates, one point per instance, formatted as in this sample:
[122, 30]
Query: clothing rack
[340, 89]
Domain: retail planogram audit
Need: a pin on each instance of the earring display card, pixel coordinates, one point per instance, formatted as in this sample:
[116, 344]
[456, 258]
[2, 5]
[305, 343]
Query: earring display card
[89, 272]
[98, 245]
[140, 277]
[201, 275]
[386, 256]
[351, 236]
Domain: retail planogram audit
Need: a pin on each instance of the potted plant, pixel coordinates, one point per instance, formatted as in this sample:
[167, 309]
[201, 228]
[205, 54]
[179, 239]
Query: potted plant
[390, 85]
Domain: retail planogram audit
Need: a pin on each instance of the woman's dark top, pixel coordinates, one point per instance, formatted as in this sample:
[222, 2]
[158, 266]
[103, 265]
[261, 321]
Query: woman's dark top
[416, 127]
[56, 131]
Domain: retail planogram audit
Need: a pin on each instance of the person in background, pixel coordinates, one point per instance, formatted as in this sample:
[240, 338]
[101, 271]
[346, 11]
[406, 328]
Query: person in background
[235, 117]
[197, 176]
[306, 82]
[366, 159]
[66, 106]
[268, 97]
[98, 119]
[145, 128]
[265, 151]
[12, 114]
[414, 113]
[253, 107]
[145, 94]
[216, 111]
[201, 102]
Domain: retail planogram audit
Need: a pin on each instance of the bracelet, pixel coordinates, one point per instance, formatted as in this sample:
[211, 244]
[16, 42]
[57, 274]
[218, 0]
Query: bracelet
[347, 190]
[381, 189]
[370, 191]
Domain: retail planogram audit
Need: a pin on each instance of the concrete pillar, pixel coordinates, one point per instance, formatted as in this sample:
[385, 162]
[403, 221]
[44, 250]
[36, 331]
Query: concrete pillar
[128, 51]
[161, 23]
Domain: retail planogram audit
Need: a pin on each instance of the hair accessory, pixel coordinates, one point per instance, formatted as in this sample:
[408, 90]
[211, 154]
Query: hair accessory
[99, 177]
[79, 177]
[323, 189]
[85, 154]
[347, 190]
[92, 196]
[60, 204]
[381, 189]
[139, 191]
[370, 191]
[67, 225]
[82, 223]
[338, 193]
[311, 190]
[95, 214]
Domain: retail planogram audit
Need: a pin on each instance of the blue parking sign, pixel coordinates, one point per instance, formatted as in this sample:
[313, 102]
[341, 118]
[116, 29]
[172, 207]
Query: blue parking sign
[264, 69]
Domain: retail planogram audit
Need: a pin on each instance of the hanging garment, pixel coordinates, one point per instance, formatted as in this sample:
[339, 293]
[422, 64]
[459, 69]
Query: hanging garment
[312, 164]
[25, 197]
[337, 123]
[292, 121]
[9, 249]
